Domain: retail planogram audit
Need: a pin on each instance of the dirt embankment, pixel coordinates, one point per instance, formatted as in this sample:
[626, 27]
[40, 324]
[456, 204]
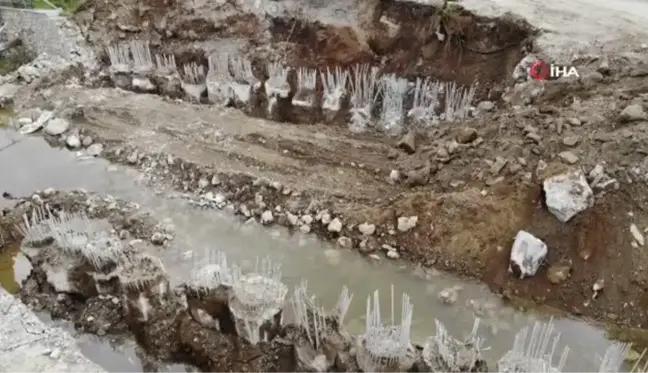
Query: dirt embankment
[401, 37]
[123, 291]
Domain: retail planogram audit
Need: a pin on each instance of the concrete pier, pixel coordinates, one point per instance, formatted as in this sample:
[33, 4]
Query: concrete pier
[28, 345]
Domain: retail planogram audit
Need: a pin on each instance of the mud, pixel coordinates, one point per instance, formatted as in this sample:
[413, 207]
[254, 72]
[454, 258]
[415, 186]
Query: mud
[407, 39]
[169, 324]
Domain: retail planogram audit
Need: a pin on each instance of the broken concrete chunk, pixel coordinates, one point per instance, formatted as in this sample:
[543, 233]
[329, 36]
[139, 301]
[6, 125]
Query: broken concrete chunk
[57, 126]
[527, 254]
[568, 194]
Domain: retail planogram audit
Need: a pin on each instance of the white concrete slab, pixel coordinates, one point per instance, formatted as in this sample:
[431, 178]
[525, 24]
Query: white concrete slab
[28, 345]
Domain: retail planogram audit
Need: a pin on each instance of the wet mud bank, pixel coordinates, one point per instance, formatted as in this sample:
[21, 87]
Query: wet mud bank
[110, 283]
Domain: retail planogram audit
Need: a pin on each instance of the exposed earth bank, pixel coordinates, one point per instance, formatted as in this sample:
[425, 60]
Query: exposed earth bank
[452, 196]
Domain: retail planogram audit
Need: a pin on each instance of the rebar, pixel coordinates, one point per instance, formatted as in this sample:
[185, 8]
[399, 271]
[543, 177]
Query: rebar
[457, 101]
[363, 96]
[535, 351]
[426, 101]
[393, 93]
[334, 83]
[306, 85]
[386, 345]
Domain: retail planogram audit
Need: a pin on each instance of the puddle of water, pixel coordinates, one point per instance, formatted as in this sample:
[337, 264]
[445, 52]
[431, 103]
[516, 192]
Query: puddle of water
[14, 268]
[34, 165]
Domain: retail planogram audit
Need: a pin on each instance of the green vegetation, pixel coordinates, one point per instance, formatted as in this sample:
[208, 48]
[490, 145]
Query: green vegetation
[68, 6]
[13, 59]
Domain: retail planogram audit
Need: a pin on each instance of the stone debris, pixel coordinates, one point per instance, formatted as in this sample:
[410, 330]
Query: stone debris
[406, 223]
[57, 126]
[527, 254]
[568, 194]
[633, 113]
[38, 124]
[366, 229]
[636, 234]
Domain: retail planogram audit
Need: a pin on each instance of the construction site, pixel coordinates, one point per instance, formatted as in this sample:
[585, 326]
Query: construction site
[342, 186]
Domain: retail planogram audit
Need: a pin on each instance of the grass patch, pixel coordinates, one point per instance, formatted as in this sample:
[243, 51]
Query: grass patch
[68, 6]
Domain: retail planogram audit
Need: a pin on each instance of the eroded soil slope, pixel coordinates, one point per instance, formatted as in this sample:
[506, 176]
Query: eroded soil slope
[401, 37]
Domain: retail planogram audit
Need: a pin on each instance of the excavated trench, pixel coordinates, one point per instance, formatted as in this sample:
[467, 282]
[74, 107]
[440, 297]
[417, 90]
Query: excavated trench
[411, 65]
[189, 324]
[104, 314]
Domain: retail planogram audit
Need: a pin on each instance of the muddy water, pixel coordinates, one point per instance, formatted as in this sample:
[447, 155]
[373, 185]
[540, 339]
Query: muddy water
[30, 164]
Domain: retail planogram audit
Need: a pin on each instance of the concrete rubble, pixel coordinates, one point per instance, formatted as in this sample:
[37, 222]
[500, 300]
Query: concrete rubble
[568, 194]
[28, 345]
[527, 254]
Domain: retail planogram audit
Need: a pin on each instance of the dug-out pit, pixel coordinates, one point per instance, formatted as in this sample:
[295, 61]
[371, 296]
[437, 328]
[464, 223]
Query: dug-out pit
[407, 66]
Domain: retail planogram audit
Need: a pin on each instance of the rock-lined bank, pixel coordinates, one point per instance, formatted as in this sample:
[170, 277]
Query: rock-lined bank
[222, 318]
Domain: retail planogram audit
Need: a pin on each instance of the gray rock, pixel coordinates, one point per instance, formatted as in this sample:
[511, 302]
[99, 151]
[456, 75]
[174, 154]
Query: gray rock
[568, 194]
[335, 225]
[57, 126]
[73, 141]
[143, 84]
[527, 254]
[38, 124]
[571, 140]
[406, 223]
[633, 113]
[95, 150]
[485, 106]
[367, 229]
[87, 141]
[267, 217]
[408, 143]
[568, 157]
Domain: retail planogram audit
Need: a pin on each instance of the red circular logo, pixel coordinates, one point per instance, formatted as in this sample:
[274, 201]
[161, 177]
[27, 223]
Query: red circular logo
[539, 70]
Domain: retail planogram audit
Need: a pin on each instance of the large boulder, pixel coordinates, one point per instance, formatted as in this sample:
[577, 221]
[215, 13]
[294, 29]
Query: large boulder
[568, 194]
